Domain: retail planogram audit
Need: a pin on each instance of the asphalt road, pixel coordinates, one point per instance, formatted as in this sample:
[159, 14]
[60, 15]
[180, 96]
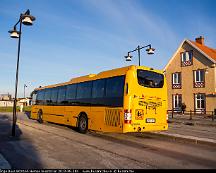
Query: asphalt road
[53, 146]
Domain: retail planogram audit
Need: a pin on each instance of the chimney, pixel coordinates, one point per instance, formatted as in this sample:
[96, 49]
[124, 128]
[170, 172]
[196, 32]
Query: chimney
[200, 40]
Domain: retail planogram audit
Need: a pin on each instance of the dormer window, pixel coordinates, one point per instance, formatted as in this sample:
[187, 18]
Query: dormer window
[199, 78]
[186, 58]
[176, 80]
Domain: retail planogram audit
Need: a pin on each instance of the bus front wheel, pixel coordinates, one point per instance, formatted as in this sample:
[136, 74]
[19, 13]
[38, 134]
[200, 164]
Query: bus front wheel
[40, 117]
[82, 123]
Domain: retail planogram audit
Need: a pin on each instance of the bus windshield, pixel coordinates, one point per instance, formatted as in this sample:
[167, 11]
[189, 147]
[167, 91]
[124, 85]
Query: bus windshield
[150, 79]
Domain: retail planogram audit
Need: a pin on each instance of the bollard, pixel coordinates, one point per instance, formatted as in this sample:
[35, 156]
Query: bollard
[190, 115]
[212, 116]
[172, 113]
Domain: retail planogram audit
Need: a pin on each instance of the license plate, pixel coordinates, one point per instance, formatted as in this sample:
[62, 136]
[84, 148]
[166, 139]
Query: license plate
[150, 120]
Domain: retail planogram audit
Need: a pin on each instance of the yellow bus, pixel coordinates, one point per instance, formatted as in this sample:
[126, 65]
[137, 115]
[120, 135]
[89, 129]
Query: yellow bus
[128, 99]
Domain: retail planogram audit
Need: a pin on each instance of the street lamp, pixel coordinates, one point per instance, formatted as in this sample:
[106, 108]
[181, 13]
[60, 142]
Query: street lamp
[24, 98]
[149, 50]
[25, 19]
[24, 89]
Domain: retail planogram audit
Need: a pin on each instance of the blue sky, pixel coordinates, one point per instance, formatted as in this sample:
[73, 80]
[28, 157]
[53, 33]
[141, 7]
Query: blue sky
[71, 38]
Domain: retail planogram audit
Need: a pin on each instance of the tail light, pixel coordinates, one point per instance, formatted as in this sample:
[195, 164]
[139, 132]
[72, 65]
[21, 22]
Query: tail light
[127, 116]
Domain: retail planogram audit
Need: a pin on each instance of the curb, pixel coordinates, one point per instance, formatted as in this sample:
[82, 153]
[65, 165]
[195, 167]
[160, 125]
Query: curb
[183, 138]
[4, 163]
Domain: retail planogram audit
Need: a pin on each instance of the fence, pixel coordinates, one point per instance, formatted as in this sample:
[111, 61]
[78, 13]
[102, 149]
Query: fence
[207, 114]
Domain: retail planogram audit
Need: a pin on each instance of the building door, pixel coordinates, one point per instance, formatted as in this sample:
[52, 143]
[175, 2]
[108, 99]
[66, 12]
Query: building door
[177, 102]
[200, 106]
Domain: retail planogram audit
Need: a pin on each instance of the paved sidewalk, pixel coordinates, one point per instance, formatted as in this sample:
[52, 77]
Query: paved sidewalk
[199, 130]
[3, 162]
[200, 120]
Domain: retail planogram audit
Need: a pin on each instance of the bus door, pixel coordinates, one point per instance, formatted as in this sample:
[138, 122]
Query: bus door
[58, 110]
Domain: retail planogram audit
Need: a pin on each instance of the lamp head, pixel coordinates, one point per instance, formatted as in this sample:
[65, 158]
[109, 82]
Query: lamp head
[128, 57]
[27, 19]
[150, 51]
[14, 33]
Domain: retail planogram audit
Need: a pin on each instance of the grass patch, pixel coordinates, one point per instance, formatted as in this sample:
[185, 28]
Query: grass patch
[27, 108]
[10, 109]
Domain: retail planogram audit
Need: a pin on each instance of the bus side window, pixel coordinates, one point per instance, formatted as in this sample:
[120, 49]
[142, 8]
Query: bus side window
[98, 89]
[115, 86]
[40, 97]
[98, 92]
[47, 96]
[84, 93]
[71, 94]
[54, 96]
[34, 98]
[84, 90]
[61, 95]
[71, 91]
[114, 91]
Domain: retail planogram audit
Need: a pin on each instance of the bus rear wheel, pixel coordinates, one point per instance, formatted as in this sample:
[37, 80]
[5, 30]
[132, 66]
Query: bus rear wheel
[40, 117]
[82, 123]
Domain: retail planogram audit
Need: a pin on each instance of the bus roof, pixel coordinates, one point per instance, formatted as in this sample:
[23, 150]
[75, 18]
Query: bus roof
[104, 74]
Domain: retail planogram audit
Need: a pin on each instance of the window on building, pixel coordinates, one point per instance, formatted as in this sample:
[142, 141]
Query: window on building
[176, 80]
[200, 103]
[186, 58]
[177, 102]
[199, 78]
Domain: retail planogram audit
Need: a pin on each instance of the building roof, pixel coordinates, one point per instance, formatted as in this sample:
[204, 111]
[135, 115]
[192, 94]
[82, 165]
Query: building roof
[208, 52]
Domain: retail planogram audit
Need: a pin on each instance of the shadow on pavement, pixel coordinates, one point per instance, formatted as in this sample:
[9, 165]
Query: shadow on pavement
[19, 150]
[28, 114]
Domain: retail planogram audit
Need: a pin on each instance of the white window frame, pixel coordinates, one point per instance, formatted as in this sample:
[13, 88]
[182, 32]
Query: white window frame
[188, 55]
[177, 98]
[198, 101]
[199, 72]
[176, 78]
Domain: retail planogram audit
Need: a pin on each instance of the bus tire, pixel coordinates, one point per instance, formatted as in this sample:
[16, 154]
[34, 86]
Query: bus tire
[82, 123]
[40, 116]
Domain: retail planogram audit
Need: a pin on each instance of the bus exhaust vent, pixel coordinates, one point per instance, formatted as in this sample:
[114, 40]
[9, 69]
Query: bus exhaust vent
[112, 117]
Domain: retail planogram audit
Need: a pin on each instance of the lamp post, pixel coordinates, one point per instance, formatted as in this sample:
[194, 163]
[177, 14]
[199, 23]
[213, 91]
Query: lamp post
[24, 89]
[149, 50]
[25, 103]
[25, 19]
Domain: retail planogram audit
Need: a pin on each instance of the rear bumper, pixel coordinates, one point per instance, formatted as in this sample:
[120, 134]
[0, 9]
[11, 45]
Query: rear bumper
[144, 128]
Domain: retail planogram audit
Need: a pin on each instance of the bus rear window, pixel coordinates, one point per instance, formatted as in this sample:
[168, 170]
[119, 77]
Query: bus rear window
[150, 79]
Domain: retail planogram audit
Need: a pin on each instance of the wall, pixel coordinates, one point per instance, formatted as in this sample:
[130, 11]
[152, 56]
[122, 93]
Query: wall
[187, 90]
[6, 103]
